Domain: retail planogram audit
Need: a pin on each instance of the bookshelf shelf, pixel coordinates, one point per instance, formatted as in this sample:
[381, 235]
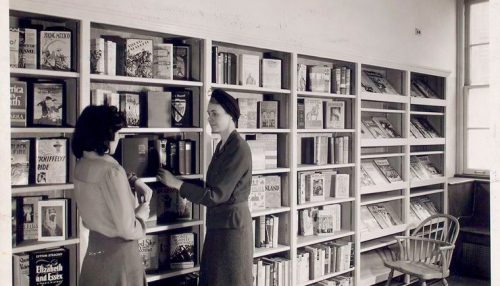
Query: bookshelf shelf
[27, 246]
[270, 171]
[40, 188]
[170, 273]
[325, 130]
[427, 182]
[378, 198]
[426, 153]
[279, 130]
[326, 277]
[259, 252]
[324, 95]
[427, 141]
[383, 188]
[428, 101]
[152, 227]
[153, 179]
[36, 130]
[130, 130]
[312, 239]
[32, 73]
[427, 113]
[305, 167]
[384, 97]
[251, 89]
[424, 192]
[377, 110]
[370, 235]
[383, 142]
[327, 201]
[376, 276]
[381, 155]
[147, 81]
[377, 243]
[270, 211]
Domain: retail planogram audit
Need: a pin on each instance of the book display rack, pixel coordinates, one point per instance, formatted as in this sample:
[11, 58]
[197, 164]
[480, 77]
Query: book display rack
[346, 153]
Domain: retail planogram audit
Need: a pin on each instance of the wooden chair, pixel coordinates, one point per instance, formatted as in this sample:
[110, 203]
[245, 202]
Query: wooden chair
[426, 253]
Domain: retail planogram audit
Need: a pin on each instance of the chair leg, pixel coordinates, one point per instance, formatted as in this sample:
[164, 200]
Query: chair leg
[445, 283]
[391, 274]
[422, 282]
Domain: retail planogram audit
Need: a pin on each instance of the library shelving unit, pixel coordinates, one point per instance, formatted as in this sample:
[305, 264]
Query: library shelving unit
[370, 247]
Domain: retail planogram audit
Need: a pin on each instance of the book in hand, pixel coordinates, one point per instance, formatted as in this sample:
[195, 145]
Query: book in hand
[182, 251]
[48, 105]
[389, 172]
[139, 58]
[267, 114]
[55, 49]
[170, 205]
[334, 114]
[20, 161]
[382, 84]
[18, 98]
[386, 126]
[373, 127]
[51, 161]
[49, 267]
[148, 249]
[52, 220]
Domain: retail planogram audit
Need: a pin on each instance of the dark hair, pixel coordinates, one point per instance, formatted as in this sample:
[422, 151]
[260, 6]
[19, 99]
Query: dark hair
[95, 128]
[227, 102]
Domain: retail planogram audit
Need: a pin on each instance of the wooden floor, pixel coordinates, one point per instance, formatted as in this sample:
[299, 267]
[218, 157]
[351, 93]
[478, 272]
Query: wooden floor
[452, 281]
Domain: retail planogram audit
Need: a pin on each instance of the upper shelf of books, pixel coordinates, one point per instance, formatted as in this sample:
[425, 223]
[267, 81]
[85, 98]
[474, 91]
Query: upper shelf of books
[382, 84]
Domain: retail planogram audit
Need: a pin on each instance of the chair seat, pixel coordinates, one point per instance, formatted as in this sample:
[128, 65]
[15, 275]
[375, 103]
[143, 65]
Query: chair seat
[419, 269]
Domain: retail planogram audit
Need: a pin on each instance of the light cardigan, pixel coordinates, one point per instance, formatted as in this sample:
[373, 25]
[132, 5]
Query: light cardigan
[104, 199]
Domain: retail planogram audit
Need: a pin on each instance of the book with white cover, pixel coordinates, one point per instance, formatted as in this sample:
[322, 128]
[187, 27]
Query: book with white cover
[374, 172]
[271, 73]
[249, 70]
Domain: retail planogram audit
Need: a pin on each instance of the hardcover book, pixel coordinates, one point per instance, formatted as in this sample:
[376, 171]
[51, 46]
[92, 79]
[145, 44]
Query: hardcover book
[99, 96]
[324, 223]
[267, 114]
[386, 126]
[249, 70]
[14, 47]
[28, 47]
[271, 149]
[20, 161]
[51, 161]
[313, 111]
[52, 220]
[334, 114]
[148, 249]
[48, 108]
[315, 187]
[17, 220]
[389, 172]
[182, 108]
[181, 62]
[139, 58]
[130, 104]
[372, 127]
[306, 221]
[271, 73]
[257, 198]
[383, 85]
[159, 109]
[21, 269]
[132, 154]
[301, 77]
[374, 172]
[340, 183]
[163, 61]
[170, 205]
[97, 56]
[248, 113]
[110, 58]
[301, 116]
[49, 267]
[258, 148]
[182, 251]
[319, 78]
[272, 191]
[55, 50]
[30, 217]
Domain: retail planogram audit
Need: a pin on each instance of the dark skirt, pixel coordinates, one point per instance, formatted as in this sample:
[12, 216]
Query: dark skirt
[227, 257]
[112, 261]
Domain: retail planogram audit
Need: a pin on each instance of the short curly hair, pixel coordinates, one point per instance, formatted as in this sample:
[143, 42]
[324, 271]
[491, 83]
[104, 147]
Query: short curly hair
[95, 128]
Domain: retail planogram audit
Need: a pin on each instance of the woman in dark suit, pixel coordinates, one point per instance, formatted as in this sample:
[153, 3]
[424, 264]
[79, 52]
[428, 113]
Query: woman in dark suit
[228, 249]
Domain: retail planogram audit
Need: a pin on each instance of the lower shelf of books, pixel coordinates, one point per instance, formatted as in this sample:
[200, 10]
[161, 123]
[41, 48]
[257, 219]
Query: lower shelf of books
[262, 251]
[170, 273]
[27, 246]
[312, 239]
[40, 188]
[325, 277]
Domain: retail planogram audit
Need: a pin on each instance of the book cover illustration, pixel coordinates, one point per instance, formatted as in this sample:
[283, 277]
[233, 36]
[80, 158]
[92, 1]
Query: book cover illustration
[48, 104]
[374, 129]
[335, 114]
[313, 109]
[427, 164]
[324, 223]
[139, 58]
[301, 77]
[271, 73]
[258, 148]
[340, 184]
[418, 168]
[386, 126]
[306, 221]
[148, 249]
[380, 82]
[55, 50]
[315, 187]
[319, 79]
[249, 70]
[52, 220]
[14, 47]
[248, 112]
[182, 251]
[419, 209]
[182, 108]
[268, 114]
[30, 217]
[424, 89]
[428, 128]
[271, 149]
[19, 162]
[51, 161]
[389, 172]
[379, 216]
[49, 267]
[21, 269]
[171, 206]
[97, 56]
[130, 104]
[28, 48]
[368, 219]
[257, 198]
[374, 173]
[365, 178]
[163, 61]
[272, 191]
[429, 205]
[181, 62]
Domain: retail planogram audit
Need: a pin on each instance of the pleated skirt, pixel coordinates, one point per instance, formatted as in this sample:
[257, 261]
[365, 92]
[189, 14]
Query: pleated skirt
[227, 257]
[112, 261]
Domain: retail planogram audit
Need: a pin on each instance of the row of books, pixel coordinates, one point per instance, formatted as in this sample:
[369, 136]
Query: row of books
[324, 220]
[42, 267]
[269, 271]
[36, 218]
[168, 251]
[322, 150]
[422, 168]
[264, 149]
[114, 55]
[420, 89]
[315, 186]
[378, 216]
[324, 79]
[421, 128]
[378, 127]
[155, 109]
[378, 171]
[34, 47]
[258, 114]
[315, 113]
[267, 231]
[421, 208]
[320, 259]
[340, 280]
[265, 192]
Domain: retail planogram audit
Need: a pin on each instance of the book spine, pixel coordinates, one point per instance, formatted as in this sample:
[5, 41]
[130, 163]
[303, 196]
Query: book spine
[345, 143]
[301, 116]
[181, 167]
[189, 151]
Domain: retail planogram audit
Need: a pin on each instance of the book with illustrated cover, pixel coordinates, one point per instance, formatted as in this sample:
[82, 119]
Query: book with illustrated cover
[429, 205]
[315, 187]
[267, 114]
[389, 172]
[382, 84]
[272, 191]
[170, 205]
[249, 70]
[139, 58]
[380, 215]
[334, 114]
[51, 161]
[97, 55]
[14, 47]
[414, 131]
[20, 161]
[306, 221]
[148, 249]
[182, 108]
[248, 112]
[415, 91]
[55, 50]
[257, 198]
[181, 62]
[368, 85]
[28, 45]
[429, 167]
[301, 77]
[21, 269]
[163, 61]
[374, 172]
[49, 267]
[182, 251]
[413, 217]
[159, 109]
[429, 129]
[419, 209]
[109, 58]
[130, 105]
[52, 220]
[366, 180]
[319, 78]
[132, 154]
[386, 126]
[271, 73]
[324, 223]
[424, 89]
[368, 219]
[373, 128]
[48, 105]
[30, 216]
[418, 168]
[390, 213]
[271, 150]
[313, 112]
[365, 133]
